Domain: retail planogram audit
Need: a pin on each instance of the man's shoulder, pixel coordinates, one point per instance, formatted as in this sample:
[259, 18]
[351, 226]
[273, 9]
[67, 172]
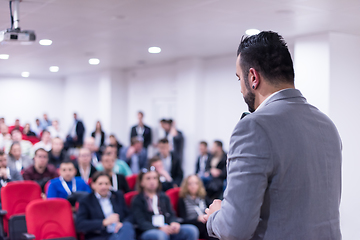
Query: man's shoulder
[29, 169]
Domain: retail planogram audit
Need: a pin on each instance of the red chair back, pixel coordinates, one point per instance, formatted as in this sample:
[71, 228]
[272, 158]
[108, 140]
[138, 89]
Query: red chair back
[129, 196]
[15, 196]
[48, 219]
[173, 194]
[131, 180]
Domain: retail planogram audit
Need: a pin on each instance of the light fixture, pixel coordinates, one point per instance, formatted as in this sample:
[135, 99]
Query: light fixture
[45, 42]
[4, 56]
[154, 50]
[251, 32]
[54, 69]
[25, 74]
[94, 61]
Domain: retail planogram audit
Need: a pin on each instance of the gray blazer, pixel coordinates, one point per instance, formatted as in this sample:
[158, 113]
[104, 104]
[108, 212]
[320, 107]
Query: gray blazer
[284, 175]
[26, 162]
[15, 175]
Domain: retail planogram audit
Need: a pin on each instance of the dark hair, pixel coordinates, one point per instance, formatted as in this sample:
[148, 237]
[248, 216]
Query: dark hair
[141, 176]
[68, 161]
[218, 143]
[268, 54]
[45, 131]
[153, 159]
[98, 174]
[15, 130]
[134, 140]
[2, 153]
[12, 145]
[100, 126]
[41, 149]
[204, 143]
[163, 140]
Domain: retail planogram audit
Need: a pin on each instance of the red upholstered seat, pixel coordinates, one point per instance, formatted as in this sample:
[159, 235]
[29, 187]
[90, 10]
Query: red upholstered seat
[47, 219]
[15, 196]
[173, 194]
[131, 180]
[129, 196]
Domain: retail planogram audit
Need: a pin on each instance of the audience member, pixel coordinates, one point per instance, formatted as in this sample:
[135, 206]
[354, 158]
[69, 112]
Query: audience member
[114, 142]
[142, 131]
[89, 143]
[99, 136]
[38, 128]
[57, 154]
[174, 136]
[45, 122]
[84, 168]
[120, 167]
[135, 155]
[166, 180]
[2, 120]
[170, 161]
[203, 159]
[27, 131]
[67, 183]
[75, 137]
[153, 212]
[55, 130]
[41, 171]
[4, 136]
[103, 214]
[18, 161]
[214, 178]
[118, 181]
[25, 145]
[192, 204]
[16, 126]
[7, 174]
[45, 142]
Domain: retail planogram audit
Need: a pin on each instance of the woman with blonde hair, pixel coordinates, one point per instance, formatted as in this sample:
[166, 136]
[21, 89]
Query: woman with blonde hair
[192, 204]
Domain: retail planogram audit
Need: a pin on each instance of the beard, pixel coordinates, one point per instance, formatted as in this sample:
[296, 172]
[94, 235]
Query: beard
[250, 100]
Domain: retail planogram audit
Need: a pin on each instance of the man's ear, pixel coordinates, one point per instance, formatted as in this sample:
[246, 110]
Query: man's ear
[254, 78]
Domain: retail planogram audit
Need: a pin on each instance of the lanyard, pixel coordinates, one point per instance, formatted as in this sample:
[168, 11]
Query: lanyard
[114, 182]
[155, 205]
[85, 175]
[66, 187]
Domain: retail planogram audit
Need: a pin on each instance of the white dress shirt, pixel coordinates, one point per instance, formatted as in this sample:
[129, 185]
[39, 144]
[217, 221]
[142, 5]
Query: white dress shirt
[107, 209]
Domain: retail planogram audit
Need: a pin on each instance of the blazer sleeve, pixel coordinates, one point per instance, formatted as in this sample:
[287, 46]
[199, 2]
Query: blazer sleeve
[83, 222]
[182, 209]
[15, 175]
[133, 133]
[122, 183]
[139, 210]
[197, 167]
[250, 164]
[176, 170]
[52, 191]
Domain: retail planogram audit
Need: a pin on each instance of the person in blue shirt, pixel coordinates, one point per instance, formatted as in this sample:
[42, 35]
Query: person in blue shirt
[67, 183]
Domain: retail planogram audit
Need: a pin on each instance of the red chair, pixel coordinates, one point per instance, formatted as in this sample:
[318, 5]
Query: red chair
[15, 196]
[129, 196]
[173, 194]
[131, 180]
[50, 219]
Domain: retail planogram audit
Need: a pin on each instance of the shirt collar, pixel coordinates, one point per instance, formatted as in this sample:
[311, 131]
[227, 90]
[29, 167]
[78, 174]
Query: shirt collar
[268, 98]
[98, 196]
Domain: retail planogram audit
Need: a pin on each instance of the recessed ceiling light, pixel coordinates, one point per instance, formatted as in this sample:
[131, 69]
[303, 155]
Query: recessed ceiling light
[4, 56]
[94, 61]
[251, 32]
[54, 69]
[45, 42]
[154, 50]
[25, 74]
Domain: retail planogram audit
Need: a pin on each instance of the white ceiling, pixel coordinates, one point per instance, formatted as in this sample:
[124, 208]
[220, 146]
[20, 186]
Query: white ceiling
[119, 32]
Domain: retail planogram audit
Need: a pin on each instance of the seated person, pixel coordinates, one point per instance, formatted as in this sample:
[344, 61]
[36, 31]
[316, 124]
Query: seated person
[27, 131]
[89, 143]
[45, 142]
[114, 142]
[153, 212]
[103, 214]
[120, 167]
[67, 183]
[118, 181]
[214, 178]
[41, 171]
[192, 204]
[16, 160]
[7, 174]
[135, 155]
[57, 154]
[84, 168]
[170, 161]
[203, 159]
[26, 146]
[166, 180]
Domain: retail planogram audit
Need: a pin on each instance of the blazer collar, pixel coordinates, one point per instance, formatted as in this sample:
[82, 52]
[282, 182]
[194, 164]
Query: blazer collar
[286, 94]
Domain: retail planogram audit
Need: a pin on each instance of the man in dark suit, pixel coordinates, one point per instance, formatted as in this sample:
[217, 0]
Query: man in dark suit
[171, 162]
[103, 214]
[175, 137]
[204, 157]
[141, 130]
[284, 166]
[76, 134]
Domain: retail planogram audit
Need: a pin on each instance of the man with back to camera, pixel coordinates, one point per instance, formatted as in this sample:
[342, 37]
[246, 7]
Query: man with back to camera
[284, 163]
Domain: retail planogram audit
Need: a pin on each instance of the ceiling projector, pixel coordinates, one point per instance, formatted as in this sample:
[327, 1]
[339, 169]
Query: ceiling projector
[15, 34]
